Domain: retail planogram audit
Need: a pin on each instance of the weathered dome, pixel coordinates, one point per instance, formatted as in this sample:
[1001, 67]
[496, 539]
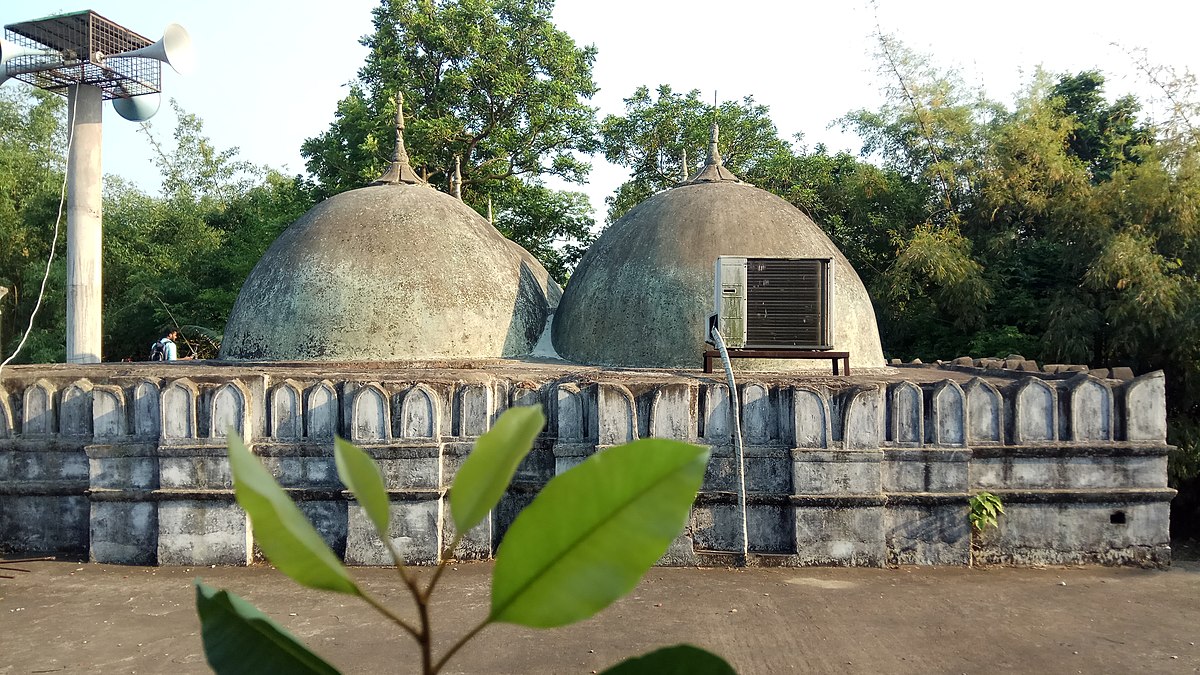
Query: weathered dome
[390, 272]
[395, 271]
[643, 292]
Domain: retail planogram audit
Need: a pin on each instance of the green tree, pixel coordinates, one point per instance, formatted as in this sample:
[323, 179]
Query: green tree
[1063, 227]
[180, 258]
[176, 258]
[664, 135]
[1105, 136]
[32, 143]
[491, 83]
[930, 132]
[862, 207]
[554, 225]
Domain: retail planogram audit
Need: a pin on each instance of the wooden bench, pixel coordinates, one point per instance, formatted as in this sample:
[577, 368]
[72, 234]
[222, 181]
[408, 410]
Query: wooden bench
[844, 357]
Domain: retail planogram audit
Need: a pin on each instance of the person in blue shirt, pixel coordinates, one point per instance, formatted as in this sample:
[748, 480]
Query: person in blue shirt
[166, 347]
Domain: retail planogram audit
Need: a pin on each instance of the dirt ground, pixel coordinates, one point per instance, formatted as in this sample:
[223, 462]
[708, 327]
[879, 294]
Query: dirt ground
[83, 618]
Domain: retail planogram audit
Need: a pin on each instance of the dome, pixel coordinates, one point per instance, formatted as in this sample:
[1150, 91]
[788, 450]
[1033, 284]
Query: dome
[642, 294]
[394, 271]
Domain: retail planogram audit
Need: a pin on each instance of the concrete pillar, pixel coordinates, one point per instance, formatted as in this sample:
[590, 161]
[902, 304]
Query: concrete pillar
[84, 106]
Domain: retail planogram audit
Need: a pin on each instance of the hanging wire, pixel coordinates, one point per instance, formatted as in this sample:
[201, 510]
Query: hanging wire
[62, 200]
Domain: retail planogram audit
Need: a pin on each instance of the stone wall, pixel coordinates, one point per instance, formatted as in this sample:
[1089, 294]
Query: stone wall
[129, 467]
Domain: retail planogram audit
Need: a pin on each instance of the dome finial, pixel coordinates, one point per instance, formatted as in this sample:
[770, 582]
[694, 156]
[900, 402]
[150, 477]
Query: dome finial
[714, 170]
[456, 181]
[714, 155]
[400, 172]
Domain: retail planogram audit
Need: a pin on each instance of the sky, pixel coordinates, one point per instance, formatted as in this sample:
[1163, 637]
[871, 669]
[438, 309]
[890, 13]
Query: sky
[269, 74]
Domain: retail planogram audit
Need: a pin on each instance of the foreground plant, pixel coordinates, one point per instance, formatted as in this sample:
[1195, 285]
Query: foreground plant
[985, 508]
[585, 541]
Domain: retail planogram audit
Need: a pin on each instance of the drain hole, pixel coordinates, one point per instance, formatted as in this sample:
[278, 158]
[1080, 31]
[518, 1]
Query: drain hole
[1117, 518]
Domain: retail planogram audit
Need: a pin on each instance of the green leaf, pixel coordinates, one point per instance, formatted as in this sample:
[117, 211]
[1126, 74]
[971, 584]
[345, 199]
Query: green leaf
[361, 474]
[490, 467]
[593, 531]
[238, 638]
[286, 537]
[677, 660]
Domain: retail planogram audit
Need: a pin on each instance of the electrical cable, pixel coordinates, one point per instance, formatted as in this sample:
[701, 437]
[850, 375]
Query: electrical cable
[735, 415]
[62, 200]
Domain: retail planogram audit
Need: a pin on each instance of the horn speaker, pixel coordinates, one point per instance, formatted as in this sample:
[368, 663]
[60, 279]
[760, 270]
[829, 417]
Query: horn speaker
[11, 50]
[174, 48]
[137, 108]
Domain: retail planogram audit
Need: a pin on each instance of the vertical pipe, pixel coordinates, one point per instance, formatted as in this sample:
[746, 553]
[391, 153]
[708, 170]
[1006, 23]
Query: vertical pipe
[84, 103]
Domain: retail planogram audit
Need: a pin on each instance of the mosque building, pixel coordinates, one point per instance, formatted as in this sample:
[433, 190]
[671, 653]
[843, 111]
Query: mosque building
[398, 318]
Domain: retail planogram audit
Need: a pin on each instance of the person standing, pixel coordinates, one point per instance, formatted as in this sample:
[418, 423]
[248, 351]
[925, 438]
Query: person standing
[165, 350]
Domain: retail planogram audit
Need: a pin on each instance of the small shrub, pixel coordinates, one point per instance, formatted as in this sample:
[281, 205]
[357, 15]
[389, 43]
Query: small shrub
[985, 507]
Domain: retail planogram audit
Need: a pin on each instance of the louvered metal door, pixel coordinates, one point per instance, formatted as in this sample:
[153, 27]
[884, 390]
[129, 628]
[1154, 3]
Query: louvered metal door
[787, 304]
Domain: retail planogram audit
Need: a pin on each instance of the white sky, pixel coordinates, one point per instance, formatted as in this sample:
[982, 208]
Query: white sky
[269, 74]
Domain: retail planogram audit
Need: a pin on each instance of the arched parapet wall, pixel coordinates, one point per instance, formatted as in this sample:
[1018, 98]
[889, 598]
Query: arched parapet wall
[715, 413]
[864, 418]
[229, 411]
[768, 457]
[616, 414]
[178, 411]
[574, 413]
[1145, 412]
[75, 410]
[321, 411]
[905, 415]
[369, 415]
[985, 413]
[1089, 410]
[147, 409]
[7, 430]
[475, 408]
[673, 412]
[946, 415]
[849, 464]
[759, 421]
[284, 405]
[110, 419]
[1034, 412]
[569, 411]
[811, 423]
[575, 424]
[936, 469]
[419, 418]
[529, 394]
[539, 465]
[39, 410]
[828, 472]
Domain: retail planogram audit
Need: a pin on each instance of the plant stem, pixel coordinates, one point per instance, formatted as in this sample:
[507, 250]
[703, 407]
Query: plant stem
[458, 645]
[417, 635]
[427, 638]
[442, 565]
[409, 581]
